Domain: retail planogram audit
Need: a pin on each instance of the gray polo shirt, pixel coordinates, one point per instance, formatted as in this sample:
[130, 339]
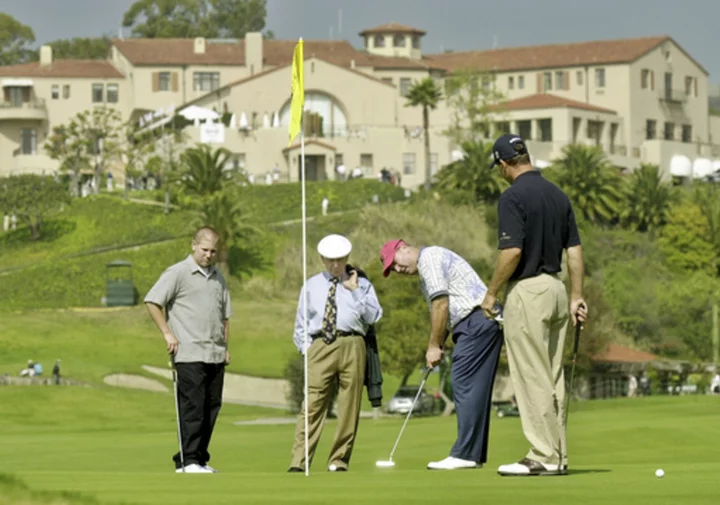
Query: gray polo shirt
[196, 305]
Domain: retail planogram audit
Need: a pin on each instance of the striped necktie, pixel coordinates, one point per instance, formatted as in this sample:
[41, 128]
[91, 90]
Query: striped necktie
[329, 328]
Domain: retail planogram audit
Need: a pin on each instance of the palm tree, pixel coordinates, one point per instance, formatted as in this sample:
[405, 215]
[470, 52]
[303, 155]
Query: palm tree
[427, 95]
[204, 170]
[473, 173]
[590, 181]
[648, 200]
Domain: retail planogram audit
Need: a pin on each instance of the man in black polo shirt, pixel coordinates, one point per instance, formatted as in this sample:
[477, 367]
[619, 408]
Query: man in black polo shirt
[535, 224]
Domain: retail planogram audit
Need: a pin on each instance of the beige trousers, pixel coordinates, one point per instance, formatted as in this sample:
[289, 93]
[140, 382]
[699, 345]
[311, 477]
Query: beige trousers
[536, 319]
[344, 359]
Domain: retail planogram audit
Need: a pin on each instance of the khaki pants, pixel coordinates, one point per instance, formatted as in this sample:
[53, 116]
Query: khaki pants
[536, 319]
[344, 359]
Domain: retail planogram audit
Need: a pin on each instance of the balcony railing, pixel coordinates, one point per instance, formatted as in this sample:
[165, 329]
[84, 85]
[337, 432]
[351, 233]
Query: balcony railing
[37, 103]
[673, 95]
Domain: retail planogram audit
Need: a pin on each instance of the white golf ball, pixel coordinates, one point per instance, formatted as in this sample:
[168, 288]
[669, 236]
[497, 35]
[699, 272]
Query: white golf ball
[332, 468]
[659, 472]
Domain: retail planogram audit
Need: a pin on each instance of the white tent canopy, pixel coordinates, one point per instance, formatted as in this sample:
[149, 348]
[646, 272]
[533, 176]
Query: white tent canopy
[702, 167]
[680, 166]
[194, 112]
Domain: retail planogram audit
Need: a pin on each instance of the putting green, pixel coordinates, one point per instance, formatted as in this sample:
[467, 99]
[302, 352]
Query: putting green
[115, 446]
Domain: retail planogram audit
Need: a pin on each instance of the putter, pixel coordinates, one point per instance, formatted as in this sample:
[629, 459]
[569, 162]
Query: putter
[177, 414]
[389, 463]
[568, 393]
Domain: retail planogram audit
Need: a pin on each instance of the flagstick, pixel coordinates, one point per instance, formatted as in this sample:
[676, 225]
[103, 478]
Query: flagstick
[305, 308]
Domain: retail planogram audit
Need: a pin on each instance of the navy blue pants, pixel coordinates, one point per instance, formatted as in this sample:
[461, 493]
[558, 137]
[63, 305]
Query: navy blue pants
[474, 362]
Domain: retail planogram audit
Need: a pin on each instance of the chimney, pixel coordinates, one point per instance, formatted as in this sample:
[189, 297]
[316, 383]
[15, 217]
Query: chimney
[254, 52]
[45, 56]
[199, 46]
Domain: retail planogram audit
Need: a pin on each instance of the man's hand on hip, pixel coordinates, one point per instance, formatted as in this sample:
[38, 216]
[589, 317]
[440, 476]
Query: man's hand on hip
[578, 311]
[172, 342]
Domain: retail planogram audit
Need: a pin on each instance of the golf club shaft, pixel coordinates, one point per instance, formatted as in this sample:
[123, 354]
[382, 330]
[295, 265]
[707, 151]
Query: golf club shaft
[177, 413]
[412, 407]
[568, 393]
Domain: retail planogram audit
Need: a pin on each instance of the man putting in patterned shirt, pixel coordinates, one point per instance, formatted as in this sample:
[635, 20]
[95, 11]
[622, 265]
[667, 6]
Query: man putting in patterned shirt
[454, 292]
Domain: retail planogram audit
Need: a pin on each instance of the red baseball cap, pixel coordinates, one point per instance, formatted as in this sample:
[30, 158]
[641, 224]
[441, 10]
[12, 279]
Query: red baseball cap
[387, 254]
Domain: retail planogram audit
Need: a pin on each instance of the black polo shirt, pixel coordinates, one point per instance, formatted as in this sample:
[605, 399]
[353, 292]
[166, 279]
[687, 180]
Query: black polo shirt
[536, 216]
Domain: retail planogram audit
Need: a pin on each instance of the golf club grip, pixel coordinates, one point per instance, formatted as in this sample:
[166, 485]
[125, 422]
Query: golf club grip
[577, 338]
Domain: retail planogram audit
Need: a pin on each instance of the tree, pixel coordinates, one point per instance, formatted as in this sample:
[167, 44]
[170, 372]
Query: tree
[473, 174]
[473, 100]
[91, 139]
[591, 183]
[204, 170]
[80, 48]
[648, 200]
[15, 38]
[685, 242]
[31, 198]
[425, 94]
[195, 18]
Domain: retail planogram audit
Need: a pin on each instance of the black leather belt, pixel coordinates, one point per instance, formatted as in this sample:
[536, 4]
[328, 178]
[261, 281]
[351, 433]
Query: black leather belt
[341, 334]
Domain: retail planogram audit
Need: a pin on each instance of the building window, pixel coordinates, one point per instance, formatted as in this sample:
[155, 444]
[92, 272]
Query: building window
[66, 91]
[559, 80]
[687, 133]
[547, 81]
[644, 78]
[366, 163]
[416, 42]
[599, 77]
[650, 129]
[525, 129]
[579, 77]
[689, 85]
[408, 163]
[206, 81]
[545, 127]
[379, 40]
[594, 131]
[502, 127]
[163, 81]
[511, 82]
[404, 86]
[521, 82]
[55, 91]
[98, 92]
[28, 138]
[399, 41]
[669, 132]
[112, 93]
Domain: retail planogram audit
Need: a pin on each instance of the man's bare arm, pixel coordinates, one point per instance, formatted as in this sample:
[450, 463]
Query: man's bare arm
[576, 269]
[438, 321]
[158, 316]
[507, 262]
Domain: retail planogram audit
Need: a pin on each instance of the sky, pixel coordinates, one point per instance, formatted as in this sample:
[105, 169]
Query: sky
[450, 24]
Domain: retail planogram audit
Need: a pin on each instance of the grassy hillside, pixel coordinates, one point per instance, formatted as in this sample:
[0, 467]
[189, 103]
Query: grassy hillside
[115, 446]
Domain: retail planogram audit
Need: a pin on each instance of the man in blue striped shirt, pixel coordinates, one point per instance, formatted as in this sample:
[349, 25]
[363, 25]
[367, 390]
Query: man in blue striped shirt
[340, 309]
[454, 292]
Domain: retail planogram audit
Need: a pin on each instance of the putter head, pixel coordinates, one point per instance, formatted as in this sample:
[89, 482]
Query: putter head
[385, 464]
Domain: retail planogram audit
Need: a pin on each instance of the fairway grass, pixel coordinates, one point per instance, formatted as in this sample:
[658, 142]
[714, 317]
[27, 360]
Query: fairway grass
[115, 446]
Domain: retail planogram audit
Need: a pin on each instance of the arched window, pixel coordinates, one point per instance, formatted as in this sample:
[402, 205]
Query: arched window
[334, 121]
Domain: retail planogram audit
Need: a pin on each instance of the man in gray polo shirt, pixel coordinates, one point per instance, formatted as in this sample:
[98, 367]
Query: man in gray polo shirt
[195, 327]
[454, 292]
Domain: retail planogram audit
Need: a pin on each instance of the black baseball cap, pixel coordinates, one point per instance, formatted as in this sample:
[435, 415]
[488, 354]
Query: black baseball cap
[508, 146]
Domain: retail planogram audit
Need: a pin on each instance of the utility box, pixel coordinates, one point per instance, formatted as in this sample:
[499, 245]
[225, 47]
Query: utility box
[120, 287]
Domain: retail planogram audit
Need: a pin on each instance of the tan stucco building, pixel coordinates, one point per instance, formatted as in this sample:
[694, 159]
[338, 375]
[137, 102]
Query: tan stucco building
[642, 100]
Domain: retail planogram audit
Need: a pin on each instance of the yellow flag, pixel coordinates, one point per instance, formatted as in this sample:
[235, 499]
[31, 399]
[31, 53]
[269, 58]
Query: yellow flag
[298, 92]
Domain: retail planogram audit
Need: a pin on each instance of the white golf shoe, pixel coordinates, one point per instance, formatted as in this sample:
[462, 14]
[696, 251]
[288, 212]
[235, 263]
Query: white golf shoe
[528, 467]
[452, 463]
[193, 468]
[208, 467]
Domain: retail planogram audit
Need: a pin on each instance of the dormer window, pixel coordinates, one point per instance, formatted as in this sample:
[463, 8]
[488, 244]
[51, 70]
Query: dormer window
[379, 41]
[416, 42]
[399, 41]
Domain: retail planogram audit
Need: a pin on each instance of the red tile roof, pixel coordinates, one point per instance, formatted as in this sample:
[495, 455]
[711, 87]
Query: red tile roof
[548, 101]
[63, 68]
[600, 52]
[616, 353]
[275, 53]
[392, 28]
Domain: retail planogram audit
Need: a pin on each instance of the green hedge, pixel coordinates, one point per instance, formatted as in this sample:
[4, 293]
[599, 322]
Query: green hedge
[82, 282]
[92, 224]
